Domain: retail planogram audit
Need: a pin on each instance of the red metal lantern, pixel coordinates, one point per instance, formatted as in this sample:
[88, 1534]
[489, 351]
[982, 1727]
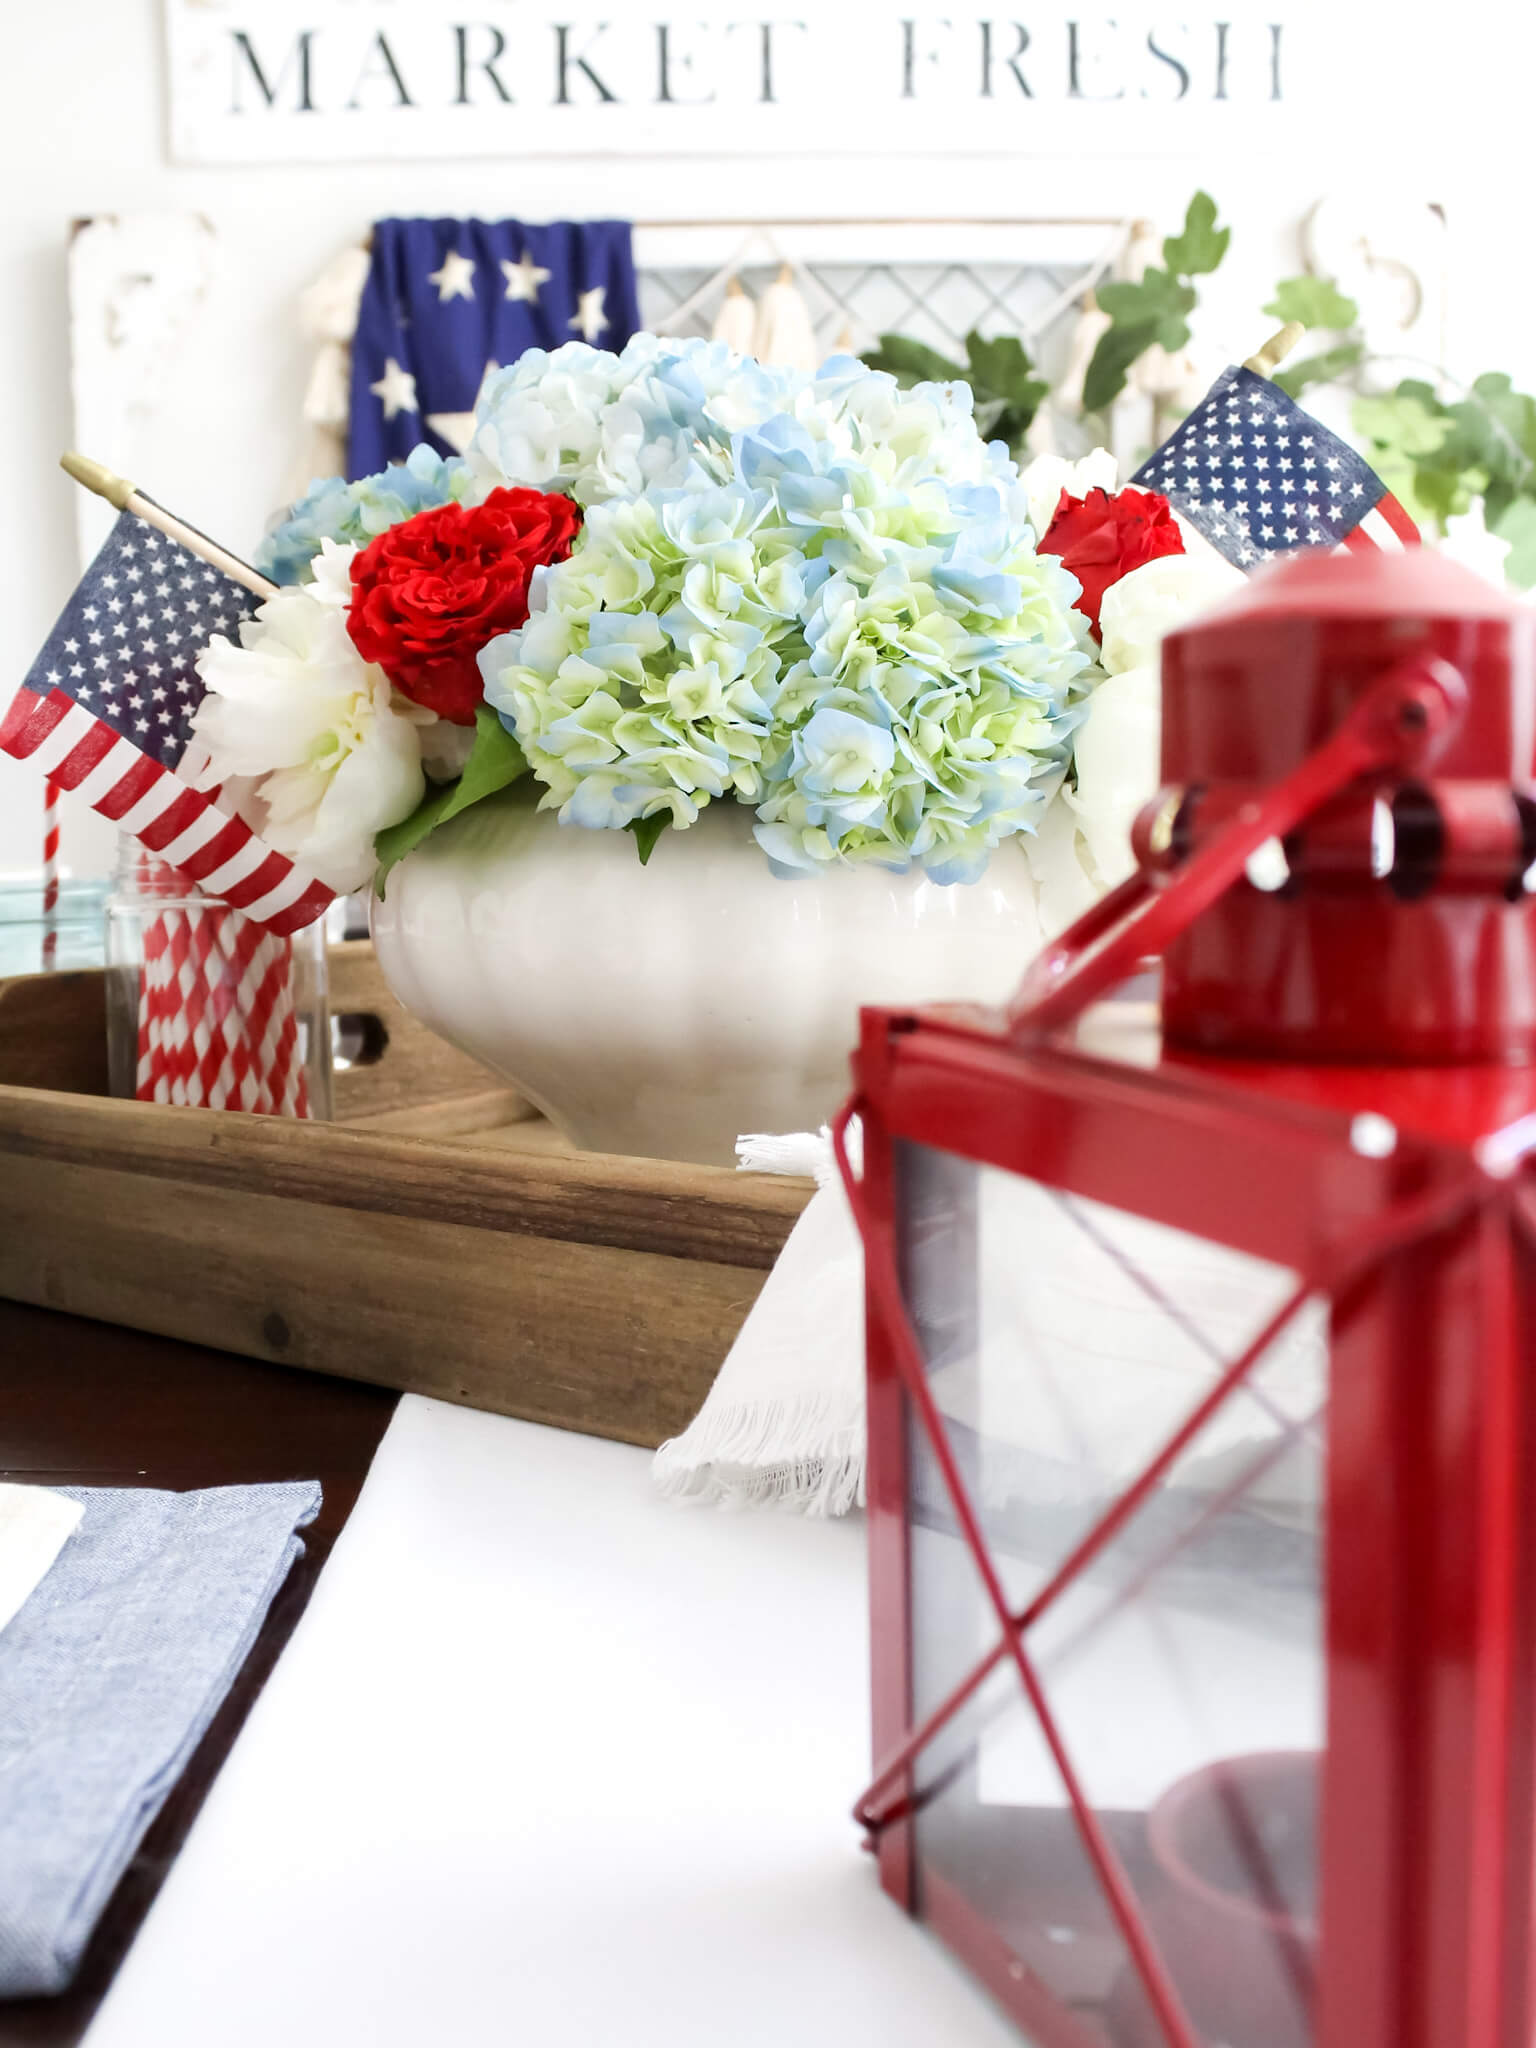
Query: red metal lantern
[1202, 1435]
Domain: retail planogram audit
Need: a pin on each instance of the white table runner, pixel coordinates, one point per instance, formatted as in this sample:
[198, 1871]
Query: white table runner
[548, 1761]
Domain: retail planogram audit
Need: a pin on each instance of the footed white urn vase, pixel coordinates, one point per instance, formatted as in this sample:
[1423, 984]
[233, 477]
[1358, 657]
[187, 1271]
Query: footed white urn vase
[666, 1009]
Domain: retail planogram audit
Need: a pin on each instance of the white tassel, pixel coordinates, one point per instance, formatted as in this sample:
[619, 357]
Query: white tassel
[805, 1454]
[783, 1424]
[784, 332]
[736, 321]
[328, 314]
[808, 1153]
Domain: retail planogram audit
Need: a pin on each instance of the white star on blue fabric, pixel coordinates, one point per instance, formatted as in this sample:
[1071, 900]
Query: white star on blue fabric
[589, 315]
[396, 389]
[524, 278]
[456, 277]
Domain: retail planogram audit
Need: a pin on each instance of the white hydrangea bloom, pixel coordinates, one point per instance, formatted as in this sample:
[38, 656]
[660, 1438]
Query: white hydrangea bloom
[600, 425]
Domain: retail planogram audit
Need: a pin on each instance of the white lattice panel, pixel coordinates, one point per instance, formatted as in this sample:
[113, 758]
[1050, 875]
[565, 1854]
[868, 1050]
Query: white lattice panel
[934, 281]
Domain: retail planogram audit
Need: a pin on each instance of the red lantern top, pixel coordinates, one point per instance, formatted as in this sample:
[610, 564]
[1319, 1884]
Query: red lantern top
[1400, 930]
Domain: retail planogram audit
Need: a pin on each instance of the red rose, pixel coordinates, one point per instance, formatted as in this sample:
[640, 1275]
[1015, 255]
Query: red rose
[428, 594]
[1102, 538]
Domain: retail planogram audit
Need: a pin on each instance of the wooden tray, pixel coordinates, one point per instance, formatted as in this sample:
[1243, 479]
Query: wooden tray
[438, 1237]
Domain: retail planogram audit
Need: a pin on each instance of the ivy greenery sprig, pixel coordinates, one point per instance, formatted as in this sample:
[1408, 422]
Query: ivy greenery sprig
[1437, 453]
[1155, 308]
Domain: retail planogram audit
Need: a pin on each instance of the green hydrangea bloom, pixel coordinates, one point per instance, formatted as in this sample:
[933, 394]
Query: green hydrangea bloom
[647, 681]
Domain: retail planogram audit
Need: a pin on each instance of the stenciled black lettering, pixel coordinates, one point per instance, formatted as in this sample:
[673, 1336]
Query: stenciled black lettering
[373, 71]
[566, 61]
[1223, 28]
[1074, 68]
[1011, 63]
[1274, 61]
[243, 47]
[486, 64]
[1166, 57]
[766, 95]
[909, 54]
[666, 57]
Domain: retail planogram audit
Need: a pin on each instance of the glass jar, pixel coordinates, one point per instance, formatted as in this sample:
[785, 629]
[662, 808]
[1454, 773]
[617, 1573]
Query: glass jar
[207, 1009]
[38, 936]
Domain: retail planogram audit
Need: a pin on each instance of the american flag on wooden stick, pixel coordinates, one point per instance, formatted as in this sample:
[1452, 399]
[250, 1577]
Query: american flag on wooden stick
[106, 711]
[1258, 477]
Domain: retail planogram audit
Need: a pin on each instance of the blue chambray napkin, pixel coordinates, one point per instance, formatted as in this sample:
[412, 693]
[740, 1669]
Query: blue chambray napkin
[109, 1675]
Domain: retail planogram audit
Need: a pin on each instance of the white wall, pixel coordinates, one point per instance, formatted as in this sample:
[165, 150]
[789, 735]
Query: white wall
[82, 122]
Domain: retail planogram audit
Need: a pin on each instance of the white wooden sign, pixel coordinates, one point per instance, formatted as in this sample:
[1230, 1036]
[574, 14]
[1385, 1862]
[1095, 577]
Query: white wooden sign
[263, 81]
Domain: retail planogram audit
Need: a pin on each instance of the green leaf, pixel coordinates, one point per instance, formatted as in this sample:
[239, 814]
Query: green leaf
[396, 841]
[494, 761]
[1001, 368]
[1514, 411]
[991, 416]
[1518, 526]
[913, 362]
[1424, 394]
[1498, 499]
[1320, 368]
[1442, 493]
[1478, 440]
[1200, 248]
[1118, 347]
[1010, 426]
[647, 831]
[1401, 420]
[1314, 301]
[1401, 431]
[1155, 297]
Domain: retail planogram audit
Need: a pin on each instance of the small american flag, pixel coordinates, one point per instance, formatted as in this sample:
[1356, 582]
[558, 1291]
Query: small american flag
[106, 711]
[1259, 477]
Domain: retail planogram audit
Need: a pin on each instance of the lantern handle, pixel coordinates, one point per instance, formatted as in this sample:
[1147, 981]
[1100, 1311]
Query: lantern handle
[1399, 723]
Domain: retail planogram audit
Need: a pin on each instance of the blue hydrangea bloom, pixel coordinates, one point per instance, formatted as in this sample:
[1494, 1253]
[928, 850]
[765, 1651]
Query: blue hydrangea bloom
[817, 595]
[333, 509]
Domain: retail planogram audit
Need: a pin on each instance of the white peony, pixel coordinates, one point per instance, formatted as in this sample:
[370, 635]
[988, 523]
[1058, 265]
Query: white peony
[1117, 747]
[1154, 599]
[1116, 753]
[295, 704]
[1044, 480]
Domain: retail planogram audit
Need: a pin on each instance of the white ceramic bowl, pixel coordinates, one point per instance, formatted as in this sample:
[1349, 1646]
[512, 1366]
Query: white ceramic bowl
[664, 1010]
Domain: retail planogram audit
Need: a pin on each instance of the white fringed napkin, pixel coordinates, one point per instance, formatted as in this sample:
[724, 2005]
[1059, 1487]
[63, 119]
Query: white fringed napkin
[783, 1425]
[1088, 1374]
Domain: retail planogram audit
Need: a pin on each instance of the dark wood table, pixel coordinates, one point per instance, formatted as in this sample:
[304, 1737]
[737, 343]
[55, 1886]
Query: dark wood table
[88, 1404]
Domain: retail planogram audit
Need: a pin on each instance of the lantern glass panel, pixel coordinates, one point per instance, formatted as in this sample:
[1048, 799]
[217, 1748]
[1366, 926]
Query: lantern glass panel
[1183, 1664]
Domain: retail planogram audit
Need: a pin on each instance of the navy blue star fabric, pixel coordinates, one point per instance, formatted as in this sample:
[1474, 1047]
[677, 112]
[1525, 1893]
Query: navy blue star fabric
[447, 299]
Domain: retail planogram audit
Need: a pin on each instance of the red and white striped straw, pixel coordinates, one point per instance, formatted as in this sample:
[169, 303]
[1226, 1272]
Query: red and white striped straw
[50, 874]
[217, 1023]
